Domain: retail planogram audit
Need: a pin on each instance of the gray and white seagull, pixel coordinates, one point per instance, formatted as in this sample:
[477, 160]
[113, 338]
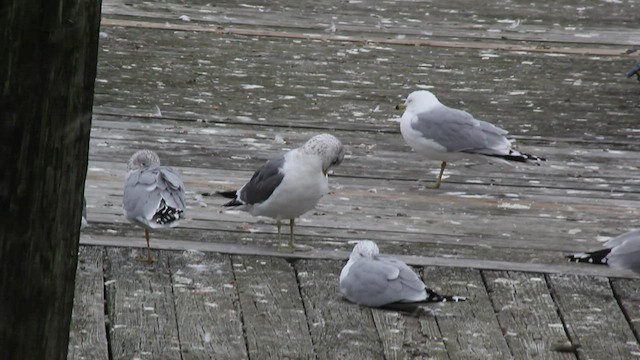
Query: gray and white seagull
[153, 194]
[288, 186]
[375, 280]
[442, 133]
[622, 253]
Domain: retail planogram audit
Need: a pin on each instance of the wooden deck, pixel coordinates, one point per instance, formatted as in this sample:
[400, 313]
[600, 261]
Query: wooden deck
[240, 82]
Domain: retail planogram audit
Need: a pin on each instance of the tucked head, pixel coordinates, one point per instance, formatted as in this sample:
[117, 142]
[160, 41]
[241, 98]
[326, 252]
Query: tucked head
[364, 249]
[328, 147]
[143, 159]
[419, 101]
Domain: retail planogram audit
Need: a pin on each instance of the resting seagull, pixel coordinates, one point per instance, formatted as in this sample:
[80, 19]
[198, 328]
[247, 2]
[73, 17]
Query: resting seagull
[289, 185]
[442, 133]
[375, 280]
[153, 194]
[621, 252]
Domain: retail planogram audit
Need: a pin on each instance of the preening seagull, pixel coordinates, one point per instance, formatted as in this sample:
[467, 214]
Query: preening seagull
[288, 186]
[153, 194]
[375, 280]
[442, 133]
[621, 252]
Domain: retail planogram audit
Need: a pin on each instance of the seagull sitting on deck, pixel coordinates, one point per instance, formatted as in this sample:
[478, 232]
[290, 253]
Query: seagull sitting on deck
[375, 280]
[153, 194]
[289, 185]
[442, 133]
[621, 252]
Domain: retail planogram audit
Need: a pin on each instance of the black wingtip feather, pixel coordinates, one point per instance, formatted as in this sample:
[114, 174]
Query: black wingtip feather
[594, 257]
[228, 194]
[433, 296]
[521, 157]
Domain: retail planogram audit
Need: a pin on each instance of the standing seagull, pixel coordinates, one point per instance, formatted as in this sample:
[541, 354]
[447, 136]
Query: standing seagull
[446, 134]
[634, 71]
[622, 252]
[375, 280]
[290, 185]
[153, 194]
[83, 222]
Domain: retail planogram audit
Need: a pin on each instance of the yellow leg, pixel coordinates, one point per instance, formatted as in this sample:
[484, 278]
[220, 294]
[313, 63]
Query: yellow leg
[288, 248]
[436, 185]
[292, 238]
[149, 259]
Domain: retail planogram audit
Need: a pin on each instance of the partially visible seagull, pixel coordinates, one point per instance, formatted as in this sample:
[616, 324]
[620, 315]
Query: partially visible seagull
[622, 253]
[153, 194]
[375, 280]
[442, 133]
[83, 221]
[288, 186]
[634, 71]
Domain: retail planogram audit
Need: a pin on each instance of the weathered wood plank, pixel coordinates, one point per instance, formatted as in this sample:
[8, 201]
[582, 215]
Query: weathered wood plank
[527, 313]
[589, 310]
[88, 335]
[206, 306]
[390, 22]
[350, 85]
[141, 307]
[339, 329]
[335, 254]
[627, 293]
[470, 329]
[408, 337]
[272, 310]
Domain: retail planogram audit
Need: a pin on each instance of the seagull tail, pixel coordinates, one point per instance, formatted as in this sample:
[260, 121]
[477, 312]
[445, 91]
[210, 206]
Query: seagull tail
[433, 296]
[413, 309]
[594, 257]
[228, 194]
[519, 157]
[167, 214]
[232, 194]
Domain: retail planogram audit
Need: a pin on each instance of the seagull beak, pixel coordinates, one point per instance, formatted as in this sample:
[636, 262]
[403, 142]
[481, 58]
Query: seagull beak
[401, 106]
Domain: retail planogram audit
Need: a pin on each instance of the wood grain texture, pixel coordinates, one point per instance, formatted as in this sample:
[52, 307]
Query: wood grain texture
[206, 306]
[273, 314]
[141, 307]
[589, 310]
[627, 294]
[88, 337]
[470, 329]
[339, 329]
[526, 311]
[47, 75]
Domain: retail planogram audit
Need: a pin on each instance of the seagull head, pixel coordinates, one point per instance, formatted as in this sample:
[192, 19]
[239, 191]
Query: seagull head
[143, 159]
[328, 148]
[419, 101]
[364, 249]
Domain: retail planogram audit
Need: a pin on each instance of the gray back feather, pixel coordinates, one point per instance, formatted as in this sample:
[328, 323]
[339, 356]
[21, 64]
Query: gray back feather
[146, 188]
[381, 280]
[459, 131]
[263, 182]
[625, 253]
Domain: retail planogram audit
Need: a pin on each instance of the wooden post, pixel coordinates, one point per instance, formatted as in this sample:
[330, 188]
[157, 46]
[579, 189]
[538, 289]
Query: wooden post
[48, 56]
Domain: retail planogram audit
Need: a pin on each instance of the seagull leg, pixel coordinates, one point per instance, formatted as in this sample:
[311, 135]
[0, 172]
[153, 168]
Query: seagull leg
[436, 185]
[290, 248]
[292, 238]
[149, 259]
